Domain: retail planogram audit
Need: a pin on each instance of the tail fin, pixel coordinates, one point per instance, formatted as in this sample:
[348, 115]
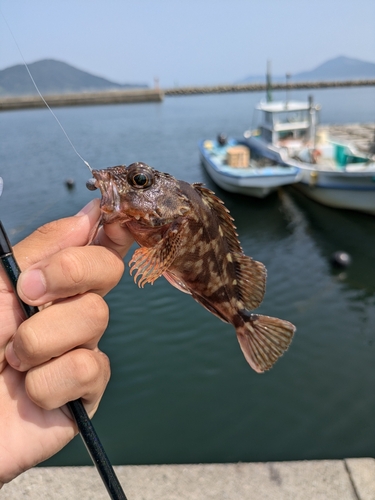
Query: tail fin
[264, 339]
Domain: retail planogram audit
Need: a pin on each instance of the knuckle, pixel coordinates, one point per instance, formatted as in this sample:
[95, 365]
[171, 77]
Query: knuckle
[39, 388]
[117, 266]
[106, 367]
[82, 373]
[96, 311]
[26, 342]
[86, 367]
[72, 267]
[49, 228]
[108, 265]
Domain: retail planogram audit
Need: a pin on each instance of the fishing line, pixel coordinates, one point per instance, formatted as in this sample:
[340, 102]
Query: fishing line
[41, 96]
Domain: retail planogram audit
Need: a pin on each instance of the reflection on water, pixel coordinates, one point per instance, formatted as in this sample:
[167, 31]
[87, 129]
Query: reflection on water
[181, 390]
[344, 230]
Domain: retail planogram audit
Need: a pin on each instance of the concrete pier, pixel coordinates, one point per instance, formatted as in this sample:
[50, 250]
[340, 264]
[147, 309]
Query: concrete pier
[261, 87]
[82, 99]
[157, 95]
[349, 479]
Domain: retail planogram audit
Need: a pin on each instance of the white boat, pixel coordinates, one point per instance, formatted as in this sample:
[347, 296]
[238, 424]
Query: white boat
[334, 174]
[235, 168]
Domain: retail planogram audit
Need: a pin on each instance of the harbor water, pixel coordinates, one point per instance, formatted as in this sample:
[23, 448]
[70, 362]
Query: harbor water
[181, 390]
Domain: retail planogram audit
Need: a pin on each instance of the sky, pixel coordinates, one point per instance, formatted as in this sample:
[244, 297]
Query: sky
[186, 42]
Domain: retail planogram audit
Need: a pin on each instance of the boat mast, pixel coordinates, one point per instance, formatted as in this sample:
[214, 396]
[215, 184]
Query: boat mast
[269, 82]
[287, 77]
[312, 111]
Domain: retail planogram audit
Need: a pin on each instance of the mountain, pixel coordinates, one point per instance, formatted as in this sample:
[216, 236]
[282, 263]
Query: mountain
[53, 77]
[57, 77]
[339, 68]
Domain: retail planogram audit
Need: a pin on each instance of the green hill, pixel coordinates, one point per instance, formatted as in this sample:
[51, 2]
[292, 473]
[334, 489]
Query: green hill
[53, 77]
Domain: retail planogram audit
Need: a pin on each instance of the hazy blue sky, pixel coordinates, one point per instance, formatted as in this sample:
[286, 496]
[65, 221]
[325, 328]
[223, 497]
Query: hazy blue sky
[187, 42]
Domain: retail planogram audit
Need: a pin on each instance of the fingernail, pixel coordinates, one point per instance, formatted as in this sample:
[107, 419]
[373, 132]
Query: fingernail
[87, 209]
[11, 356]
[32, 284]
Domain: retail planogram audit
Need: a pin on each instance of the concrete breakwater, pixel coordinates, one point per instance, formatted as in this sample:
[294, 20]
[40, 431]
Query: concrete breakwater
[82, 99]
[261, 87]
[157, 95]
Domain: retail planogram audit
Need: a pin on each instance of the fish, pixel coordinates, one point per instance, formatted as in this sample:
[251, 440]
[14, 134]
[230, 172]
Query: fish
[187, 235]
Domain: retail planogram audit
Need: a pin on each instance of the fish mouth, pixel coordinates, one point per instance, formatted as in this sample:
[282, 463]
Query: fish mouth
[110, 201]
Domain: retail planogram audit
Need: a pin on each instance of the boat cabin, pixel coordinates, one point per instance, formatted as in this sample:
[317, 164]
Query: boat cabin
[287, 124]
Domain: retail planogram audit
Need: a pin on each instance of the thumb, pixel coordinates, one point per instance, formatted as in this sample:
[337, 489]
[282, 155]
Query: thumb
[56, 235]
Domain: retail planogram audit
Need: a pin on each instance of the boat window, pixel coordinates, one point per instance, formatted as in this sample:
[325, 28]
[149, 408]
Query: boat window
[290, 117]
[293, 134]
[268, 118]
[266, 135]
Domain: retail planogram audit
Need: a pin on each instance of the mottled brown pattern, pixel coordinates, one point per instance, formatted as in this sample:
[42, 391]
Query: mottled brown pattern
[187, 235]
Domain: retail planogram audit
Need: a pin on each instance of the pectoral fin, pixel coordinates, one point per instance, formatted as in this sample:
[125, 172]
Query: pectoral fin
[151, 263]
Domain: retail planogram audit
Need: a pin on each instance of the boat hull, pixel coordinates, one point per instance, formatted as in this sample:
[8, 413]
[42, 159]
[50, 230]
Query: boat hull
[346, 189]
[340, 190]
[249, 181]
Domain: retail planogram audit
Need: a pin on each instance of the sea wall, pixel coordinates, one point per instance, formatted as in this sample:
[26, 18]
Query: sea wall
[82, 99]
[261, 87]
[157, 95]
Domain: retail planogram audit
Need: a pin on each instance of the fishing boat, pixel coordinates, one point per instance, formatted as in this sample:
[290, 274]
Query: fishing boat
[334, 173]
[234, 167]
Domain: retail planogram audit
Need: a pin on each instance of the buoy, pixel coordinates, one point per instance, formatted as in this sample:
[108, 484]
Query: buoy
[341, 259]
[69, 183]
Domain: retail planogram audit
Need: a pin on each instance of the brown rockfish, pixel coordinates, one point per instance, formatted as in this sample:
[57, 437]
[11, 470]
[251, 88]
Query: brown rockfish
[187, 235]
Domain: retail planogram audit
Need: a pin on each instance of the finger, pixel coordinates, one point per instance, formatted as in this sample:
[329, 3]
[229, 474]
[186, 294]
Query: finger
[11, 317]
[58, 329]
[80, 373]
[116, 237]
[56, 235]
[71, 271]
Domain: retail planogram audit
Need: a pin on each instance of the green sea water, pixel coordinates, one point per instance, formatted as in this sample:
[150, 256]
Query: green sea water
[181, 390]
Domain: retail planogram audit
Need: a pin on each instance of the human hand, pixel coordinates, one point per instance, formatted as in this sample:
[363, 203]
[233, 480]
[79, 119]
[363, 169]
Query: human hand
[53, 357]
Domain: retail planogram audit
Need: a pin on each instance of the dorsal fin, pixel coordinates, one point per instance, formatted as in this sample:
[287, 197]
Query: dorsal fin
[250, 274]
[251, 278]
[224, 218]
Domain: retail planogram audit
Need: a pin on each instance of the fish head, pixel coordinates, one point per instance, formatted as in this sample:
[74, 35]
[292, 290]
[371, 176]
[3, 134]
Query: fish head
[139, 192]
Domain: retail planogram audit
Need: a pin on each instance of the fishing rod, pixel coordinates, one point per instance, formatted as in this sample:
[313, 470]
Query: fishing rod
[84, 424]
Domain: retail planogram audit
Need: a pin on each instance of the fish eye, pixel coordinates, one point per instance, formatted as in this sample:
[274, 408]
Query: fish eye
[139, 178]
